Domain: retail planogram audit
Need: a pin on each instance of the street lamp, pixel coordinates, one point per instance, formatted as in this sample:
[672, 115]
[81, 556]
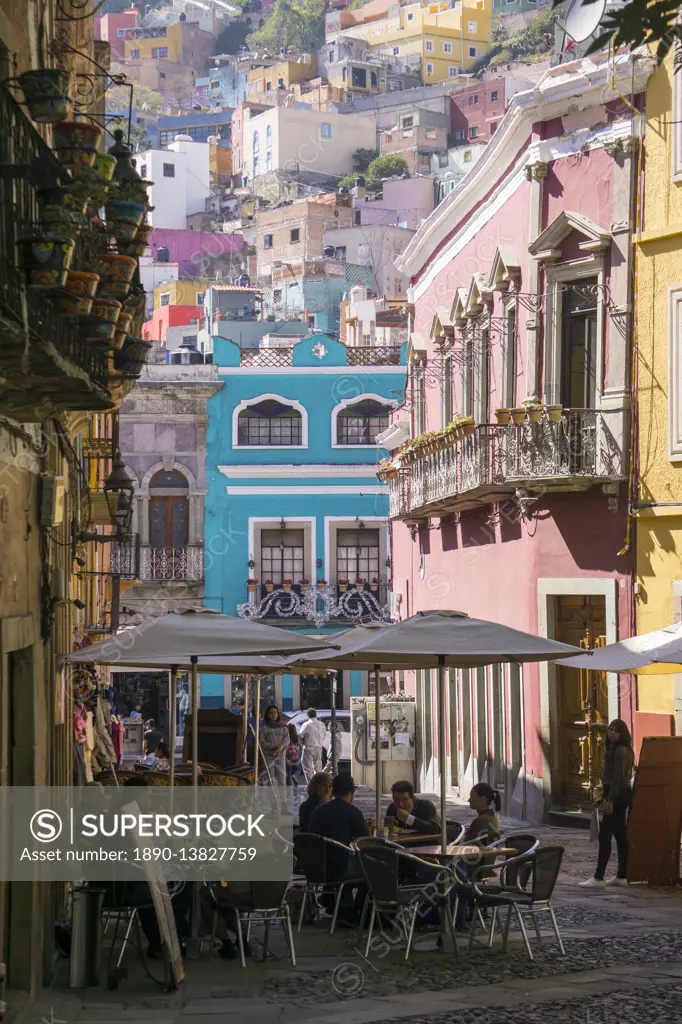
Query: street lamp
[118, 491]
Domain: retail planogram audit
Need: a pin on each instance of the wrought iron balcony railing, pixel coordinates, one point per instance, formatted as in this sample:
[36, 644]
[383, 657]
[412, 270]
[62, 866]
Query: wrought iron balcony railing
[373, 355]
[41, 353]
[316, 602]
[170, 564]
[583, 447]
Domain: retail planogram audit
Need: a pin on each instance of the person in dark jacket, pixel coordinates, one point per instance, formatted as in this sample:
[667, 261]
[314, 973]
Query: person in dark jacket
[410, 812]
[338, 819]
[319, 792]
[619, 763]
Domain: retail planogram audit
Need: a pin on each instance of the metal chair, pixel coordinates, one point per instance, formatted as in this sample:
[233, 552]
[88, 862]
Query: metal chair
[512, 875]
[380, 862]
[540, 871]
[267, 904]
[454, 831]
[310, 852]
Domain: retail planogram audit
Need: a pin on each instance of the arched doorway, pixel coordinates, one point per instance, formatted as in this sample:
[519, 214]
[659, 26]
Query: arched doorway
[168, 510]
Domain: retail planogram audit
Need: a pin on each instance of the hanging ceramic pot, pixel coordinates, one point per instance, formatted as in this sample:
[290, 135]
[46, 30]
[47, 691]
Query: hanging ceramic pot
[46, 94]
[124, 218]
[46, 260]
[76, 144]
[132, 356]
[105, 165]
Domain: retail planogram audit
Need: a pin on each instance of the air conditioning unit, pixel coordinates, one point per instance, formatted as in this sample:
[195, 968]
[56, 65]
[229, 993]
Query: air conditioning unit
[51, 500]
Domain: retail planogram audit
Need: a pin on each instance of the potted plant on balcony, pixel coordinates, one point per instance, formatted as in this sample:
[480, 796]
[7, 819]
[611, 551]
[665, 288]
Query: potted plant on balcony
[46, 94]
[503, 416]
[251, 585]
[124, 217]
[343, 586]
[518, 416]
[534, 410]
[386, 470]
[132, 356]
[360, 585]
[286, 586]
[304, 584]
[76, 144]
[116, 274]
[269, 586]
[374, 585]
[322, 582]
[554, 412]
[46, 260]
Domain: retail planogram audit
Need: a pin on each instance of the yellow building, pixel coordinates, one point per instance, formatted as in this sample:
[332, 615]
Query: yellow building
[658, 526]
[158, 47]
[280, 76]
[187, 292]
[446, 39]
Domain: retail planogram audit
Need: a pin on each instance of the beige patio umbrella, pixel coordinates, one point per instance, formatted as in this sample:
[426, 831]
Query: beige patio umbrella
[434, 640]
[655, 653]
[185, 639]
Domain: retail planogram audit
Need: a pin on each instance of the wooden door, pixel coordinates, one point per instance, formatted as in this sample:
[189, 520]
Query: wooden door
[168, 522]
[582, 703]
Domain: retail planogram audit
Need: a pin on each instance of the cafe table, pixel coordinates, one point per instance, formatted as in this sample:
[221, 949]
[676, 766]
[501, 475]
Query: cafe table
[453, 852]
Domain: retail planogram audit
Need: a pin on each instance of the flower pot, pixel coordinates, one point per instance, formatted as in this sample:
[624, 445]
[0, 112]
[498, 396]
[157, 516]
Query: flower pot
[518, 416]
[251, 587]
[46, 260]
[105, 165]
[132, 356]
[122, 211]
[554, 412]
[374, 587]
[468, 429]
[503, 416]
[343, 587]
[115, 272]
[46, 94]
[81, 284]
[74, 305]
[75, 142]
[60, 220]
[57, 195]
[534, 415]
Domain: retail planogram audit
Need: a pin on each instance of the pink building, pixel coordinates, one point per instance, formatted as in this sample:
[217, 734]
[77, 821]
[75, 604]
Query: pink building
[198, 253]
[115, 29]
[173, 324]
[521, 292]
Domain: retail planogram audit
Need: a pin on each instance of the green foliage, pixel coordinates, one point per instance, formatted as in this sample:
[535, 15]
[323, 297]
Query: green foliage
[527, 43]
[357, 4]
[362, 158]
[118, 98]
[639, 23]
[348, 181]
[233, 37]
[296, 25]
[386, 167]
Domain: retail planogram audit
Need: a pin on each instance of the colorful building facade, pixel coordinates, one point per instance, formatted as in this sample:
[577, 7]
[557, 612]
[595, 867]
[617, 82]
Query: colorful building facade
[521, 285]
[658, 499]
[296, 530]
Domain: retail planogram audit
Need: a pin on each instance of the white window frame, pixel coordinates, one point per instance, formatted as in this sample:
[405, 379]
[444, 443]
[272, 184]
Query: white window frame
[472, 27]
[410, 15]
[429, 69]
[556, 276]
[350, 402]
[334, 523]
[259, 523]
[473, 52]
[325, 130]
[164, 296]
[508, 386]
[677, 116]
[247, 402]
[675, 373]
[428, 45]
[453, 72]
[447, 47]
[396, 51]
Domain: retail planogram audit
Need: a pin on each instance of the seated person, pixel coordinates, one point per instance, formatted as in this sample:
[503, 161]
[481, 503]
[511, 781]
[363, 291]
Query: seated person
[486, 825]
[163, 754]
[338, 819]
[319, 792]
[152, 737]
[410, 812]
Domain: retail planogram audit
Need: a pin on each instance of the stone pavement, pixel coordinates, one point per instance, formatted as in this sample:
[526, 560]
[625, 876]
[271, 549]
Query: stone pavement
[623, 963]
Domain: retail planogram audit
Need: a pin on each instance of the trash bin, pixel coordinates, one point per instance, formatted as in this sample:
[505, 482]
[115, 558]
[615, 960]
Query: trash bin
[86, 938]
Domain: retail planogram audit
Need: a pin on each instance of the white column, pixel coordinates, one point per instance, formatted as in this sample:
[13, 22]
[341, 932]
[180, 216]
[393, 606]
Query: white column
[536, 172]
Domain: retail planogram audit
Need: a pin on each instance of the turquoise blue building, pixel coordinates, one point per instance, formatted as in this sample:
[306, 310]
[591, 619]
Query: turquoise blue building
[296, 527]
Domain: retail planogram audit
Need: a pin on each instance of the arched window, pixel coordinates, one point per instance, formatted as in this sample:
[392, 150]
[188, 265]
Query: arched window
[168, 510]
[269, 423]
[360, 423]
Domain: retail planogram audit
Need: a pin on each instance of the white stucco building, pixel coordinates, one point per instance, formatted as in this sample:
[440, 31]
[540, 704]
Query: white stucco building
[181, 178]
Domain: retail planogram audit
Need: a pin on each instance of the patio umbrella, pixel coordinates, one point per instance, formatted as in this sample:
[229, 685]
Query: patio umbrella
[183, 638]
[440, 640]
[659, 652]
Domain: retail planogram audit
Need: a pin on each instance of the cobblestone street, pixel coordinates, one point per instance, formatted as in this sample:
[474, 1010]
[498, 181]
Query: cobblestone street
[623, 962]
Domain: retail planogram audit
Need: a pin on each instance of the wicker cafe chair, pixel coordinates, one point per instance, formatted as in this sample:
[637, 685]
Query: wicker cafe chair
[381, 863]
[540, 870]
[310, 853]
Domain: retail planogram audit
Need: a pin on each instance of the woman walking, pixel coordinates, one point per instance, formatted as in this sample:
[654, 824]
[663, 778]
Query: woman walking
[274, 740]
[619, 763]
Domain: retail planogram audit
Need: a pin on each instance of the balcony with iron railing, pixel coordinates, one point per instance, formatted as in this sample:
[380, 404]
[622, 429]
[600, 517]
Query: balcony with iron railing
[168, 565]
[43, 356]
[580, 448]
[360, 355]
[318, 602]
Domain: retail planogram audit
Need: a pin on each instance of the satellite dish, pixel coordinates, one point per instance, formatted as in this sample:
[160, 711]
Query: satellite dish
[582, 18]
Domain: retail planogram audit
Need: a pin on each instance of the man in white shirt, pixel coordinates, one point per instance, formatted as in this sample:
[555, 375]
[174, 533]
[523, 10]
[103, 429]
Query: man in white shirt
[311, 738]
